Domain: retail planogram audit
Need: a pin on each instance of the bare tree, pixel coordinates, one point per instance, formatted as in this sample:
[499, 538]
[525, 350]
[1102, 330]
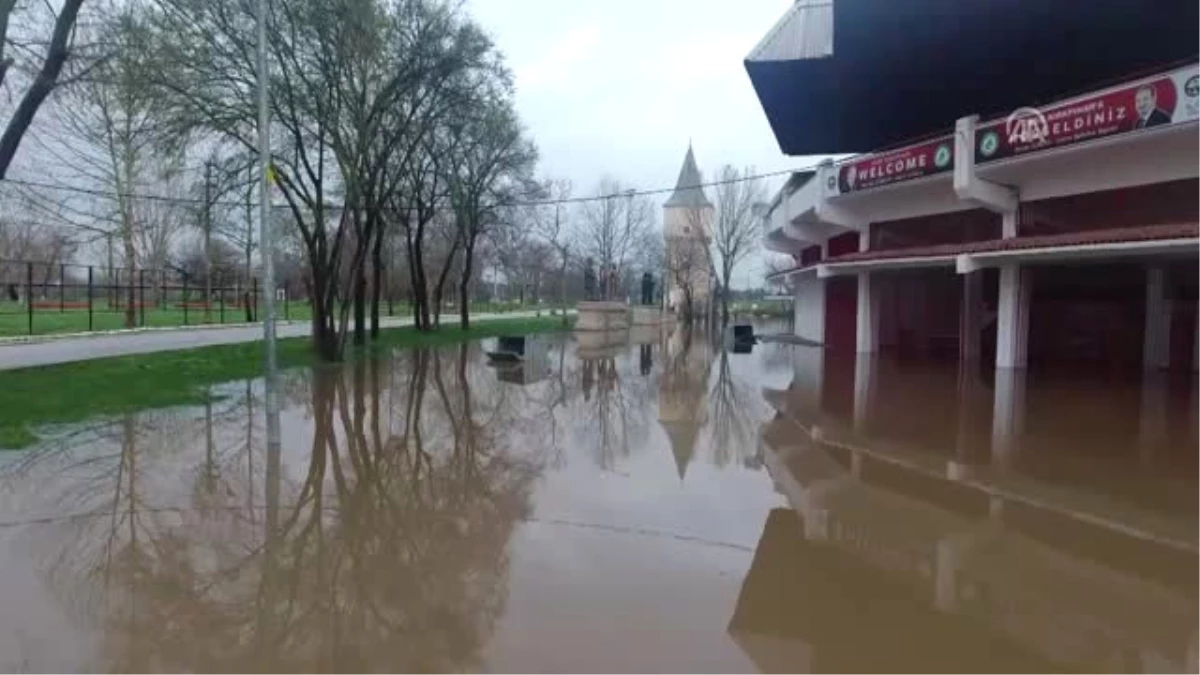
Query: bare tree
[556, 231]
[357, 87]
[735, 232]
[611, 230]
[491, 168]
[58, 50]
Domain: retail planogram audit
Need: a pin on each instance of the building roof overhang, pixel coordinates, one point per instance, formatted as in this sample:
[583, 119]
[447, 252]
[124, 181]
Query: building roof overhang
[1117, 243]
[837, 76]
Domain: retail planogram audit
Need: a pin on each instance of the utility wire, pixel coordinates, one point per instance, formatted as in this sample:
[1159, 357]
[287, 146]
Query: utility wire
[524, 203]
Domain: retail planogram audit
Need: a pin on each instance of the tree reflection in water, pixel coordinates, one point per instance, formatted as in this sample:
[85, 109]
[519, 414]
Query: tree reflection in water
[389, 552]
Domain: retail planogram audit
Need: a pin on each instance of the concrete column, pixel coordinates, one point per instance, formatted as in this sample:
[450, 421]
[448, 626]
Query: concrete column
[866, 385]
[810, 309]
[1008, 224]
[1008, 415]
[970, 322]
[1012, 320]
[867, 334]
[1156, 347]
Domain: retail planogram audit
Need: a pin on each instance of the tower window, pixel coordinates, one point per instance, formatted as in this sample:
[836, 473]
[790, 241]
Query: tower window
[687, 229]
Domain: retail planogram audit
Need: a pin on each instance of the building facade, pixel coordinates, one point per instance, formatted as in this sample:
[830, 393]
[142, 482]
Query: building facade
[1056, 235]
[687, 233]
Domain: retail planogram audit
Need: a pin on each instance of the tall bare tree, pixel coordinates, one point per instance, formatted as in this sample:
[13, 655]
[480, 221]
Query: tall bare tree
[57, 52]
[493, 167]
[106, 136]
[735, 228]
[555, 229]
[357, 89]
[611, 229]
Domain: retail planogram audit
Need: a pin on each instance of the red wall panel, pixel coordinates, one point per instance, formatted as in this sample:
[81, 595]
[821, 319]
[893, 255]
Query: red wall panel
[944, 228]
[841, 313]
[843, 244]
[1157, 204]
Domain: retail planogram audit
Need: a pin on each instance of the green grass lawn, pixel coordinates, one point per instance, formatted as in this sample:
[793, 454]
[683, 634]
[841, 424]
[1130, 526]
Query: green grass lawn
[68, 392]
[14, 317]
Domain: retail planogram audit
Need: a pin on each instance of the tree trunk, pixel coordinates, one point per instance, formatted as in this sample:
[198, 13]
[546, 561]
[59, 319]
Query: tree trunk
[43, 84]
[359, 277]
[439, 289]
[376, 280]
[725, 296]
[246, 300]
[420, 290]
[563, 293]
[324, 337]
[464, 285]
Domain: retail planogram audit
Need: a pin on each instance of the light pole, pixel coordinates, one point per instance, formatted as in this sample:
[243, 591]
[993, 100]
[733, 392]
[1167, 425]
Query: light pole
[267, 247]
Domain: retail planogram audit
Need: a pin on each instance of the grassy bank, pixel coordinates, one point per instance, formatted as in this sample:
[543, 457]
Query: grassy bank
[68, 392]
[48, 320]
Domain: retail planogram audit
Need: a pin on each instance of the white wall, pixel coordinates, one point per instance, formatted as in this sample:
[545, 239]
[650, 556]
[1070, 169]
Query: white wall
[1140, 158]
[810, 308]
[1137, 159]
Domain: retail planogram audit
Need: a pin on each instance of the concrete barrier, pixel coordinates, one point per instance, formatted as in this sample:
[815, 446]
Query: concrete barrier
[602, 316]
[646, 315]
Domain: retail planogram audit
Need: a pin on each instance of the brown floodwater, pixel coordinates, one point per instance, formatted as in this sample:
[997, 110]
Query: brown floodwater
[655, 504]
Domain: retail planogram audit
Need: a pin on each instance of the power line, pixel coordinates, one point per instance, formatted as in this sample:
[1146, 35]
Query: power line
[520, 203]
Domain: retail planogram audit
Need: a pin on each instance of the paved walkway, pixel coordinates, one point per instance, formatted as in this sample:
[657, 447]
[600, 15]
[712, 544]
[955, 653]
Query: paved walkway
[100, 345]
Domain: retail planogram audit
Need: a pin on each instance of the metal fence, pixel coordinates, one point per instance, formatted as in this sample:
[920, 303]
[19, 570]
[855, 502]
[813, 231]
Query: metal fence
[40, 297]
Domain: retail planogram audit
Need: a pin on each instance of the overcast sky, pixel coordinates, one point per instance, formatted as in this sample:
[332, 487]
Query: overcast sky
[619, 87]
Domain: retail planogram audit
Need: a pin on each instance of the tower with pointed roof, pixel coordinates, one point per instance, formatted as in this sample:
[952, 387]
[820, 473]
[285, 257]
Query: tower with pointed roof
[687, 232]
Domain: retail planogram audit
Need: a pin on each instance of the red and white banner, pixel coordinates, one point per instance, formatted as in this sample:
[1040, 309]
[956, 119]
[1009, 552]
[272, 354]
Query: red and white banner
[1161, 100]
[914, 161]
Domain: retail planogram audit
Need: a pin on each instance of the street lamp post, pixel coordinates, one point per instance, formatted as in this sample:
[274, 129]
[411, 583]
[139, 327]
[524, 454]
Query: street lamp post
[267, 247]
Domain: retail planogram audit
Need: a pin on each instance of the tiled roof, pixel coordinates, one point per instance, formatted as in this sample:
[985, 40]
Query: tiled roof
[1109, 236]
[688, 191]
[1096, 237]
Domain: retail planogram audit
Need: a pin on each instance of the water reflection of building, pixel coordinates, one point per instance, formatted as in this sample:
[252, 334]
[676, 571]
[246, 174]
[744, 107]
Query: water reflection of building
[683, 393]
[1131, 441]
[1043, 573]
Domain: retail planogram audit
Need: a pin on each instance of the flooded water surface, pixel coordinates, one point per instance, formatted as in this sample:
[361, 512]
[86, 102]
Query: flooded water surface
[651, 502]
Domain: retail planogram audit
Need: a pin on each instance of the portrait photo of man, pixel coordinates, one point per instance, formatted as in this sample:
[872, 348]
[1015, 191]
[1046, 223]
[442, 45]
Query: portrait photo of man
[1145, 101]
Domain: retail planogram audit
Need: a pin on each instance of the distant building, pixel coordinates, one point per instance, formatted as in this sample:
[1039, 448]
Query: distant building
[687, 232]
